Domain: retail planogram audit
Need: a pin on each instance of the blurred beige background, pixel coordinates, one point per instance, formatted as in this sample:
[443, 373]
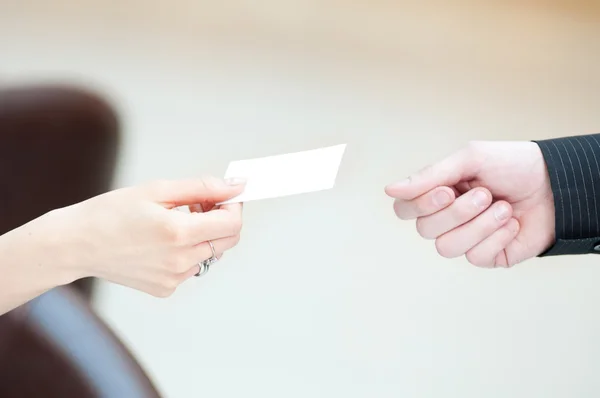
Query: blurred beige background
[328, 295]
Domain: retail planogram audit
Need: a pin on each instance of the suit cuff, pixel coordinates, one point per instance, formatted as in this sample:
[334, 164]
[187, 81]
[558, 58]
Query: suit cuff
[572, 247]
[574, 170]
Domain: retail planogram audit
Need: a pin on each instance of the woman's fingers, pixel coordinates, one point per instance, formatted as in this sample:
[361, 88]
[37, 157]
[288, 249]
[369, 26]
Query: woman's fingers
[490, 252]
[458, 241]
[226, 221]
[197, 208]
[203, 251]
[426, 204]
[462, 210]
[190, 229]
[189, 235]
[185, 192]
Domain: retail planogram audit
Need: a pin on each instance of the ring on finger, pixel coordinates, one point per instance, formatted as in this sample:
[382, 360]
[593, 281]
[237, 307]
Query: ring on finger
[205, 265]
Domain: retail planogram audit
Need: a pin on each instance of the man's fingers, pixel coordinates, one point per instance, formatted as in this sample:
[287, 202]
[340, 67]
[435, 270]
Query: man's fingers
[187, 192]
[489, 253]
[448, 172]
[461, 211]
[460, 240]
[426, 204]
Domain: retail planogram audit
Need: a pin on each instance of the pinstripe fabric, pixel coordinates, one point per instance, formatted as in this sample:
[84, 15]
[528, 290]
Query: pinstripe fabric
[574, 168]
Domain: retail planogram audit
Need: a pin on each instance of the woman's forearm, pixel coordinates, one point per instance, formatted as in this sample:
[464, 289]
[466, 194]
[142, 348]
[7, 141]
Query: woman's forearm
[32, 260]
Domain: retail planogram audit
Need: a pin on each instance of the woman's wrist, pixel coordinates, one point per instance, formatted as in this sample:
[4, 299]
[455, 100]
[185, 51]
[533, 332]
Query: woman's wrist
[41, 247]
[61, 240]
[32, 262]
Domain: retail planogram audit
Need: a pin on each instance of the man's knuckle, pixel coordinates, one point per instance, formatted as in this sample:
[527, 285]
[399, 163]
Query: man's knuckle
[512, 262]
[462, 213]
[441, 248]
[475, 259]
[445, 248]
[418, 207]
[476, 152]
[400, 209]
[474, 148]
[423, 228]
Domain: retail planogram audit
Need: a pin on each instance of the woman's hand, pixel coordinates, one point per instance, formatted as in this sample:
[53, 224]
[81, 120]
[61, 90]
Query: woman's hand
[135, 236]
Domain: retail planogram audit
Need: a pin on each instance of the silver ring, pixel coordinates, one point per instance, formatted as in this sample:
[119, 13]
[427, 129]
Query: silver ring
[205, 265]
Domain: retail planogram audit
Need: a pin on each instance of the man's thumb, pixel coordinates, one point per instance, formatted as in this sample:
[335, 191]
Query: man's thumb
[448, 172]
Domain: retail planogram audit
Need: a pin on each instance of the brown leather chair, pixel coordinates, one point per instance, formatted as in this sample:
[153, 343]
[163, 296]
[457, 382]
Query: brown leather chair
[58, 146]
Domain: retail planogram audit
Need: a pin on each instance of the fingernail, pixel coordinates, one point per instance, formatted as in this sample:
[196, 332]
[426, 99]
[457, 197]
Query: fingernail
[235, 181]
[441, 198]
[501, 213]
[480, 199]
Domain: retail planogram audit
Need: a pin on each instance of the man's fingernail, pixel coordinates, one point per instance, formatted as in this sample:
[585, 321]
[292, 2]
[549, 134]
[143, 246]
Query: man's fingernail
[501, 213]
[235, 181]
[441, 198]
[480, 199]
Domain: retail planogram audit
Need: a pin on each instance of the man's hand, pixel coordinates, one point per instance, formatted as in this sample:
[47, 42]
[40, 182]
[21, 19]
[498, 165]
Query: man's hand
[490, 201]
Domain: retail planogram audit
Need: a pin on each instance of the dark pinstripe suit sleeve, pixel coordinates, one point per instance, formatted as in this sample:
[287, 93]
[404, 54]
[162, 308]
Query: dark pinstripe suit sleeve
[574, 168]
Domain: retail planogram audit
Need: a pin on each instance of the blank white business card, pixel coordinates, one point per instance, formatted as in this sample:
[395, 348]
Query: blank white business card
[289, 174]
